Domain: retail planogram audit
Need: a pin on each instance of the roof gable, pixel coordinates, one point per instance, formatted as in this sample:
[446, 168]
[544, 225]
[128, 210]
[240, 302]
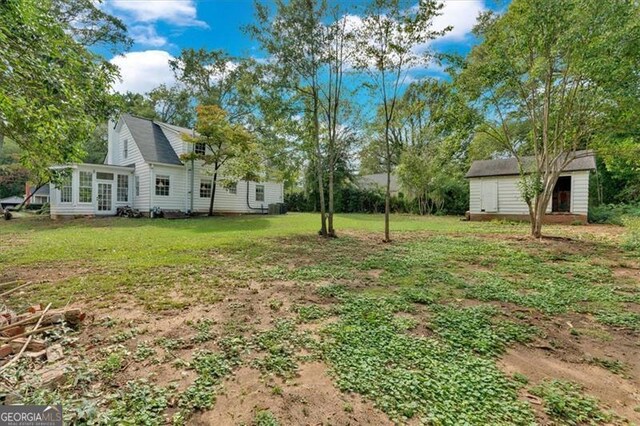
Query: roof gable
[585, 160]
[151, 140]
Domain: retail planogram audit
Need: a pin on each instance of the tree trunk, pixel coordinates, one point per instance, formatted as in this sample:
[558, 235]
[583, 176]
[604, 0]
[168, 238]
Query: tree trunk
[316, 140]
[213, 191]
[332, 231]
[1, 144]
[538, 212]
[387, 197]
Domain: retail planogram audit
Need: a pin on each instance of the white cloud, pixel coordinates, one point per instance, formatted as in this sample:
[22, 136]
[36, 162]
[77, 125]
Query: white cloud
[461, 15]
[147, 35]
[177, 12]
[142, 71]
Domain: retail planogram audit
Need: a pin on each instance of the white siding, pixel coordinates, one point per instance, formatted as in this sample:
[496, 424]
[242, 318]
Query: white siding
[176, 141]
[225, 201]
[510, 200]
[75, 207]
[142, 170]
[475, 197]
[580, 192]
[176, 200]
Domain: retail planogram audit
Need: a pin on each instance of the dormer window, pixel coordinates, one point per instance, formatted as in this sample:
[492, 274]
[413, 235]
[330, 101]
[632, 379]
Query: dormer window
[200, 148]
[125, 149]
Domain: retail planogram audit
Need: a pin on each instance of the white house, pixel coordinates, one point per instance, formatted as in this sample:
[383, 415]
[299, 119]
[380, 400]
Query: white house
[494, 191]
[143, 170]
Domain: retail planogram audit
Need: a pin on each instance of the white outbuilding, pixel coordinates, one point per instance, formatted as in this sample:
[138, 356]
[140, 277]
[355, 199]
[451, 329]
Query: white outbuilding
[494, 191]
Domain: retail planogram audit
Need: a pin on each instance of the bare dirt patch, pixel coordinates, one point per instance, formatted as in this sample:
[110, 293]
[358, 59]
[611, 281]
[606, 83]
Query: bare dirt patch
[614, 391]
[309, 399]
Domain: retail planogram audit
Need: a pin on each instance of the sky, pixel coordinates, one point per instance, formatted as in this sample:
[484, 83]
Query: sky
[161, 28]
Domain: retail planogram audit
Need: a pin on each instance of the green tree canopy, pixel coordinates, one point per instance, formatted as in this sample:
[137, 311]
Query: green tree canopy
[223, 144]
[53, 91]
[562, 71]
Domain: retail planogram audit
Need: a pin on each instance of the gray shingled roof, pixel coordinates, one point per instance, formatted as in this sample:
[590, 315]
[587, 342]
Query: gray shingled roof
[585, 160]
[151, 140]
[379, 180]
[43, 190]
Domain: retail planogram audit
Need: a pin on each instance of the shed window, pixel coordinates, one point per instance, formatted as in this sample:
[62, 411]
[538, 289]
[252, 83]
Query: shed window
[162, 185]
[206, 187]
[86, 187]
[66, 190]
[200, 148]
[259, 192]
[123, 188]
[125, 149]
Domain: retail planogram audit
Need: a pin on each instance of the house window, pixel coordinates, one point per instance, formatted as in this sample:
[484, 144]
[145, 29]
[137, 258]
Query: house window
[259, 192]
[206, 188]
[233, 188]
[66, 190]
[104, 176]
[86, 187]
[123, 188]
[125, 149]
[200, 149]
[137, 185]
[162, 185]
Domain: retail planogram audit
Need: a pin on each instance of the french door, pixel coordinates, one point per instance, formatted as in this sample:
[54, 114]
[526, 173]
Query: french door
[105, 198]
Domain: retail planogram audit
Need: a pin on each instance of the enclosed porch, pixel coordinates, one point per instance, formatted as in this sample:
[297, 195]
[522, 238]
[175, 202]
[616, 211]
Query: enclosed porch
[92, 190]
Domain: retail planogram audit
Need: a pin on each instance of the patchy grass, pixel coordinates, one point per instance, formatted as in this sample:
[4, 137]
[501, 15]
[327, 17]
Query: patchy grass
[566, 404]
[416, 328]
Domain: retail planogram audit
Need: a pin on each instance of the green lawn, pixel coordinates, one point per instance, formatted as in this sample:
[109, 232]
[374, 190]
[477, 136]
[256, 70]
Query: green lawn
[418, 328]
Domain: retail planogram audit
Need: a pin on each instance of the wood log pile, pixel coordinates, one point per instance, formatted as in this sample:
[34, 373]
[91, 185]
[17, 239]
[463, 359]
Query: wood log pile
[21, 335]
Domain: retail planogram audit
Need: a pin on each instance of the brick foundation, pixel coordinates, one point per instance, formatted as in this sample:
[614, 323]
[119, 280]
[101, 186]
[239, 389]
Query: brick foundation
[562, 218]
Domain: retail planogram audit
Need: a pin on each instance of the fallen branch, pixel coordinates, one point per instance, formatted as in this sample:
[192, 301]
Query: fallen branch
[24, 347]
[8, 292]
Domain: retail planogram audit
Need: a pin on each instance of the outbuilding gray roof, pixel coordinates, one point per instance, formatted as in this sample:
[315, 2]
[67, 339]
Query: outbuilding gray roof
[379, 180]
[151, 140]
[43, 190]
[11, 200]
[585, 160]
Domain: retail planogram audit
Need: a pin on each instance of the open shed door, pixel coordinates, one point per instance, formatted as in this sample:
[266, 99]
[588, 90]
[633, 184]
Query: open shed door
[489, 198]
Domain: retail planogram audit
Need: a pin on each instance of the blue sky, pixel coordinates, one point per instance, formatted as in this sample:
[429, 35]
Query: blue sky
[161, 28]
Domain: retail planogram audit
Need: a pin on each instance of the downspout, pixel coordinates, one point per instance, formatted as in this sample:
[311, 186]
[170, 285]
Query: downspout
[151, 187]
[192, 179]
[249, 205]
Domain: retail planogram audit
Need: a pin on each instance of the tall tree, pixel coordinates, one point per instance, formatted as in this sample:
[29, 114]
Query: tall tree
[217, 78]
[53, 91]
[226, 145]
[88, 24]
[172, 105]
[294, 39]
[433, 128]
[339, 50]
[560, 70]
[388, 37]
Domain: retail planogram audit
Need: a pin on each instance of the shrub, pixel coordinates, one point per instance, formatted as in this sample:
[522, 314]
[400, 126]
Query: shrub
[613, 213]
